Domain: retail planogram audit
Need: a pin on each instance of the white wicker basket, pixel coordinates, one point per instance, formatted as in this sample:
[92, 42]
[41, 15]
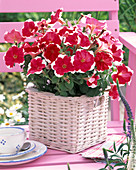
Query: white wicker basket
[70, 124]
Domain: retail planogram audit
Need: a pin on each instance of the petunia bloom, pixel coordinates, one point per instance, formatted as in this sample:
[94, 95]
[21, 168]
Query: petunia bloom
[51, 52]
[123, 74]
[84, 40]
[51, 37]
[108, 39]
[62, 65]
[72, 39]
[83, 60]
[56, 16]
[103, 61]
[42, 25]
[14, 55]
[117, 53]
[92, 81]
[30, 48]
[29, 28]
[64, 30]
[113, 93]
[13, 37]
[36, 66]
[95, 25]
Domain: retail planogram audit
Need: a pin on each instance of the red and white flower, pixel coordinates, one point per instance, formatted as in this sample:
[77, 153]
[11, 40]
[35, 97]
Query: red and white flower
[14, 55]
[51, 52]
[50, 37]
[62, 65]
[113, 93]
[56, 17]
[83, 60]
[13, 37]
[36, 66]
[103, 61]
[123, 74]
[92, 81]
[117, 53]
[29, 28]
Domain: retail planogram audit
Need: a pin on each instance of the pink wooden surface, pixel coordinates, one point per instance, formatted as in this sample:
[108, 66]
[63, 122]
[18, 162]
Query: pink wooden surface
[129, 40]
[51, 5]
[131, 90]
[57, 160]
[115, 108]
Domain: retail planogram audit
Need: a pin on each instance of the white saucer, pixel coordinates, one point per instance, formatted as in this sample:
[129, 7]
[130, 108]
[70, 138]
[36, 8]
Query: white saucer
[39, 150]
[33, 145]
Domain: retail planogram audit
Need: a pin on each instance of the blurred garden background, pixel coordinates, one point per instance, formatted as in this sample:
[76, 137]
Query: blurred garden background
[13, 98]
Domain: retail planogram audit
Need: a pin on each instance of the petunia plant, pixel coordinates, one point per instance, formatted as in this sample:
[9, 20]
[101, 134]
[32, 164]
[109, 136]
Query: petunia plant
[68, 58]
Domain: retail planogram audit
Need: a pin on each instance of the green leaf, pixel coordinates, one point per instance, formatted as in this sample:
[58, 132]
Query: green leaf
[111, 167]
[121, 152]
[64, 93]
[105, 153]
[114, 156]
[69, 85]
[93, 92]
[84, 88]
[81, 81]
[127, 153]
[72, 92]
[120, 147]
[110, 151]
[124, 125]
[62, 87]
[110, 79]
[114, 146]
[119, 164]
[116, 160]
[54, 79]
[68, 166]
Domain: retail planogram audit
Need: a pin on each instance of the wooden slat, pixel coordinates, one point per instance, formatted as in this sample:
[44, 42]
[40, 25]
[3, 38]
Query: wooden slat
[131, 89]
[115, 124]
[113, 26]
[3, 67]
[129, 40]
[53, 5]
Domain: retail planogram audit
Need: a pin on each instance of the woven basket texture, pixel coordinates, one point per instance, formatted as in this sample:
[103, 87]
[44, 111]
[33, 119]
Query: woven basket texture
[69, 124]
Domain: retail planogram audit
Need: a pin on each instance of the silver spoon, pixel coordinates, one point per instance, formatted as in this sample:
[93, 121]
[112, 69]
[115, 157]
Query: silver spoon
[25, 146]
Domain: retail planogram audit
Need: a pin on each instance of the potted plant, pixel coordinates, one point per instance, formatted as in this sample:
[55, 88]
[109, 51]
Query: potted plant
[71, 65]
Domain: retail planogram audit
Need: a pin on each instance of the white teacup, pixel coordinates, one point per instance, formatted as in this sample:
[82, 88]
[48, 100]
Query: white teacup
[11, 139]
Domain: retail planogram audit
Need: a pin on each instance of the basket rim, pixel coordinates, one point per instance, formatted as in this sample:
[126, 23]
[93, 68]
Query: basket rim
[35, 90]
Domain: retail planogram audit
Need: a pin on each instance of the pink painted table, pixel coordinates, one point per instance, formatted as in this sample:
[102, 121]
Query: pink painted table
[57, 160]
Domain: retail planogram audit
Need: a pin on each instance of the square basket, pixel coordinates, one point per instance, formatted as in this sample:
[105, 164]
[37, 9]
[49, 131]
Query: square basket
[69, 124]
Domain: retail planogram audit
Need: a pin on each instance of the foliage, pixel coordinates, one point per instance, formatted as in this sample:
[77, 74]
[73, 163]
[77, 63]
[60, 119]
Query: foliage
[11, 88]
[127, 15]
